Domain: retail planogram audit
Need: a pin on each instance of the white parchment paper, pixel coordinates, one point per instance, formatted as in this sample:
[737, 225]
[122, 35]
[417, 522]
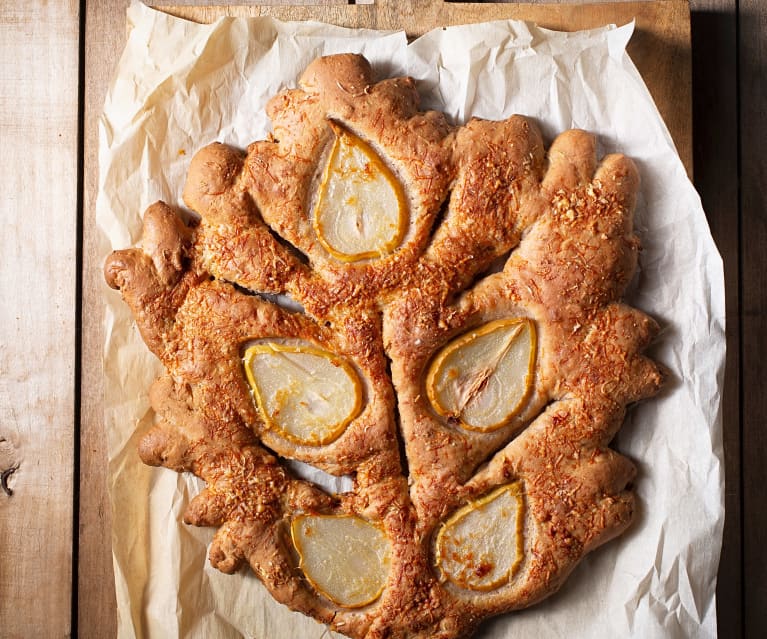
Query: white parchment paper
[181, 85]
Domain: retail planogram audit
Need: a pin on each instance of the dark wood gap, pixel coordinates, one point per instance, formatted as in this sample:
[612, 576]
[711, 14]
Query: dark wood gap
[715, 151]
[78, 363]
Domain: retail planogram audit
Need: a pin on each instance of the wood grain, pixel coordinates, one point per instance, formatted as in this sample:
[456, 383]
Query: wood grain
[753, 213]
[38, 244]
[104, 39]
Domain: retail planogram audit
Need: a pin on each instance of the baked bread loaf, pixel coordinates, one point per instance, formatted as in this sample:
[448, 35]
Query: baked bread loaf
[433, 310]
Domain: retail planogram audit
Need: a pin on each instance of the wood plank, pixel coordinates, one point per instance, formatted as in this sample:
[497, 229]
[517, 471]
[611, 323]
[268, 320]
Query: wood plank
[104, 40]
[715, 151]
[38, 180]
[660, 46]
[753, 213]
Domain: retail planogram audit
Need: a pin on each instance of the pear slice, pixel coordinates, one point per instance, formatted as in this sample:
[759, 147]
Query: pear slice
[483, 377]
[307, 394]
[481, 546]
[344, 557]
[361, 207]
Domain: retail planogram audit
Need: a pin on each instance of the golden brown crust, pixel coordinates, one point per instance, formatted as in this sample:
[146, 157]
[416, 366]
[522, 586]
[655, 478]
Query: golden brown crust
[563, 225]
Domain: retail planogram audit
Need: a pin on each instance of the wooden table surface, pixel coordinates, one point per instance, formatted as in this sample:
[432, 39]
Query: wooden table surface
[56, 59]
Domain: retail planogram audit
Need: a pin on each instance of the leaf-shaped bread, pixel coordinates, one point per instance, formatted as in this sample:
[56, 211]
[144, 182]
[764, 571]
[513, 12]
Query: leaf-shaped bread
[456, 342]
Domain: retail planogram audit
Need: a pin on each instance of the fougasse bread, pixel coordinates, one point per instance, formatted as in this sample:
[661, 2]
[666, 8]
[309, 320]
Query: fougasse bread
[455, 342]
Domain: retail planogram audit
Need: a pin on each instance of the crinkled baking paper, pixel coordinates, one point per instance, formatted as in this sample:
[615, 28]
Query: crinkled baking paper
[181, 85]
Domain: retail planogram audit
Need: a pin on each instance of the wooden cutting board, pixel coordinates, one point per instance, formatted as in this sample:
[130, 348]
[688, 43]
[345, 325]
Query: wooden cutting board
[660, 48]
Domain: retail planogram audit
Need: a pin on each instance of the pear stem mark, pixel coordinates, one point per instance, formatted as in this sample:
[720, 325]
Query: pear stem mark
[470, 388]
